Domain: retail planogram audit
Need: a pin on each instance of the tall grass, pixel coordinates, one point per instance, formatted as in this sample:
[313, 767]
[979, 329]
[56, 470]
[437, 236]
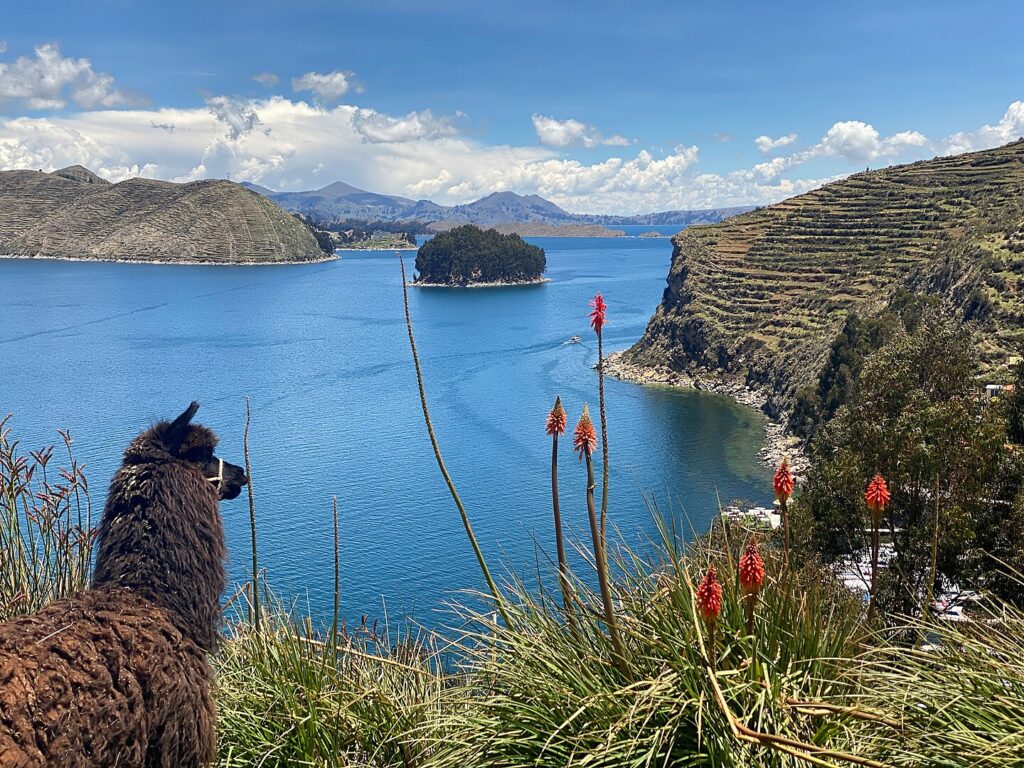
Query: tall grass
[46, 536]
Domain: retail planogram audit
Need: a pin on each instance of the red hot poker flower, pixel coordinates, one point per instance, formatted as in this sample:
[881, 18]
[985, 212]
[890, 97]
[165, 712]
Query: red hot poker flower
[585, 438]
[783, 481]
[597, 316]
[751, 569]
[709, 596]
[556, 419]
[877, 494]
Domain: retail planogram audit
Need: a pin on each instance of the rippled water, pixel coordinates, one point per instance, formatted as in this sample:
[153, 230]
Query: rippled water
[104, 349]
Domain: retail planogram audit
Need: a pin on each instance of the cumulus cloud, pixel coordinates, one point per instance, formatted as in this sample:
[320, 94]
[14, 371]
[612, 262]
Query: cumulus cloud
[766, 144]
[268, 79]
[1009, 128]
[326, 87]
[237, 114]
[48, 80]
[379, 128]
[287, 144]
[572, 133]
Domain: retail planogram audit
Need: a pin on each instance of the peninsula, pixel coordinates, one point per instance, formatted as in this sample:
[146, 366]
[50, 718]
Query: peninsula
[74, 214]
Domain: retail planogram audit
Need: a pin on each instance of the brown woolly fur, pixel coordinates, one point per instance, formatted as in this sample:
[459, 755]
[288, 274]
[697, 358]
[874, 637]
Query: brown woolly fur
[117, 675]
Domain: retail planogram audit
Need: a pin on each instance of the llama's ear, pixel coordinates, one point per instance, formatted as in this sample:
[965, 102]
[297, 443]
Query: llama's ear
[178, 428]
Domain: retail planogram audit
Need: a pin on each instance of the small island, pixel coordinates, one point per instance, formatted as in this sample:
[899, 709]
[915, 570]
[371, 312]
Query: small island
[468, 256]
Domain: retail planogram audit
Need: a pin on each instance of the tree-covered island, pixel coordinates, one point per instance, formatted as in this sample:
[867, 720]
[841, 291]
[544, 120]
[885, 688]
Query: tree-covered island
[468, 255]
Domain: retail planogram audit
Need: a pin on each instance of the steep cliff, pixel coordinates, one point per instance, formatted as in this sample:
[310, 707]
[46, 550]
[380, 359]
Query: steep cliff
[759, 298]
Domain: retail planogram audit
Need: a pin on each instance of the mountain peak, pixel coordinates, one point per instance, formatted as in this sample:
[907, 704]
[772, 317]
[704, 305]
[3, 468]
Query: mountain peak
[80, 173]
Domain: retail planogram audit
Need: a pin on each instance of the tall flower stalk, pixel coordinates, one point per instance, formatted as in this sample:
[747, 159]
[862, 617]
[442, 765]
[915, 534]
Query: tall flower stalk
[491, 585]
[555, 426]
[584, 442]
[751, 573]
[597, 320]
[783, 485]
[876, 496]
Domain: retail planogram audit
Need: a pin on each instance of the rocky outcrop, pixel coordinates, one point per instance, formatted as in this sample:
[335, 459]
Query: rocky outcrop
[757, 299]
[74, 214]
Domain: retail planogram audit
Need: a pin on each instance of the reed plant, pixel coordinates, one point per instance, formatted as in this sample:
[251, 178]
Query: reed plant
[46, 536]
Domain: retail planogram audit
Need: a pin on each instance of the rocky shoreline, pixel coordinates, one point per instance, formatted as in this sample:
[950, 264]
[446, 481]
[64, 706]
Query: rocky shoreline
[168, 262]
[777, 444]
[497, 284]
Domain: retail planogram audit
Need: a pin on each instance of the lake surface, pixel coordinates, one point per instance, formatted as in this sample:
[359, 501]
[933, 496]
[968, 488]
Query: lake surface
[105, 349]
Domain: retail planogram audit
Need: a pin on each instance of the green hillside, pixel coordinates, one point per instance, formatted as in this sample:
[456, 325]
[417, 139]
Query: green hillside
[762, 295]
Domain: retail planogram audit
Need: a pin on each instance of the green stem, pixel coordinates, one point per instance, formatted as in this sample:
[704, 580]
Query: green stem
[337, 576]
[563, 567]
[875, 546]
[498, 601]
[254, 607]
[784, 509]
[601, 561]
[604, 436]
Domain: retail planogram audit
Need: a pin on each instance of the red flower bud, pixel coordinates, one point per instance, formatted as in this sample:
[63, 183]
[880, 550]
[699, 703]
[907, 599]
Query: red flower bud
[556, 419]
[751, 569]
[877, 495]
[783, 482]
[597, 316]
[585, 438]
[709, 596]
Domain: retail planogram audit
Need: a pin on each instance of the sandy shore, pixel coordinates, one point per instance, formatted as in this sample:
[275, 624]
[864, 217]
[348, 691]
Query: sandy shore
[171, 262]
[776, 445]
[539, 281]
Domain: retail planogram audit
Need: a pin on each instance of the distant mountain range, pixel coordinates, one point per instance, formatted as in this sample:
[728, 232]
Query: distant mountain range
[342, 201]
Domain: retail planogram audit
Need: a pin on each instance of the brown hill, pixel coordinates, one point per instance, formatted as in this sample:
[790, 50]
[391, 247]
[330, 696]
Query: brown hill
[72, 213]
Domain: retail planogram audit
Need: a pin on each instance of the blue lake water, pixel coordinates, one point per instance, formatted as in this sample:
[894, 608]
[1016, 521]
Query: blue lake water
[105, 349]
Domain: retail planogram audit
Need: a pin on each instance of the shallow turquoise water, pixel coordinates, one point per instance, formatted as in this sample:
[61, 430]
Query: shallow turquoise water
[104, 349]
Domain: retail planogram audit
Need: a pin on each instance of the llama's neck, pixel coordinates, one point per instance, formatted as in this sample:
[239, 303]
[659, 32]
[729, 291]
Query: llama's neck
[162, 537]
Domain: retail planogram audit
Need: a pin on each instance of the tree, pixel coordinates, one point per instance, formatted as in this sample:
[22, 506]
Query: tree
[915, 418]
[469, 254]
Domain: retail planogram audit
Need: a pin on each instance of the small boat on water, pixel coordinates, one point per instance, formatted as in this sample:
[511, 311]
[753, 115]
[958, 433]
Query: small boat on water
[575, 340]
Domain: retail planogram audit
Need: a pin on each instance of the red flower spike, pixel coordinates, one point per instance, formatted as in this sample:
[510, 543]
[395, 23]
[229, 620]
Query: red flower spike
[877, 494]
[597, 316]
[709, 596]
[556, 419]
[783, 482]
[585, 438]
[751, 570]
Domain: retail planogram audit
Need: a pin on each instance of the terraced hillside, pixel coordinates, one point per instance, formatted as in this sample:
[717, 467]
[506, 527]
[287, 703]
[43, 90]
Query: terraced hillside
[761, 296]
[72, 213]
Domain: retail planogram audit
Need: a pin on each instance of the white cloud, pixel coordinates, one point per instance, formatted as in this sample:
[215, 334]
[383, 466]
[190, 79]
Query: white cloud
[48, 80]
[1009, 128]
[286, 144]
[268, 79]
[237, 114]
[326, 87]
[379, 128]
[766, 144]
[3, 46]
[572, 133]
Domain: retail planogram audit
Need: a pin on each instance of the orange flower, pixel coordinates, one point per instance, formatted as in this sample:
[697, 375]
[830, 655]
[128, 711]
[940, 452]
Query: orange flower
[585, 438]
[709, 596]
[783, 482]
[556, 419]
[877, 495]
[751, 569]
[597, 316]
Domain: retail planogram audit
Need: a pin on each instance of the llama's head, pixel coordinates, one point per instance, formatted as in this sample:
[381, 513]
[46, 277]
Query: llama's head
[181, 440]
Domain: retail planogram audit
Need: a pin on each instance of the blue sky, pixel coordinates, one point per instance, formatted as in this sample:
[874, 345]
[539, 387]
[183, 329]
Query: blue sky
[602, 106]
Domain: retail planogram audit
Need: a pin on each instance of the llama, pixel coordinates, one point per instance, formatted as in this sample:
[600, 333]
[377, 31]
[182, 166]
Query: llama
[117, 675]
